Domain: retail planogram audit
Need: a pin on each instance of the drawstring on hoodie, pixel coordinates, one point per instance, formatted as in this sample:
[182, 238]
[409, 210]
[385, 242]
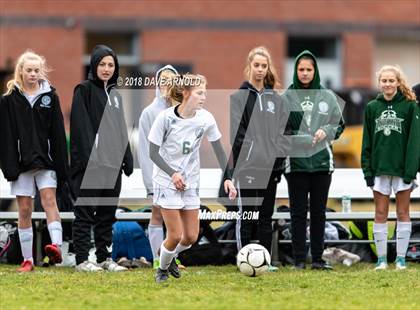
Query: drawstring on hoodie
[106, 92]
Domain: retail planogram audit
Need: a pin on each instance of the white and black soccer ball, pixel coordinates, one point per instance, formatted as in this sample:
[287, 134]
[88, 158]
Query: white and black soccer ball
[253, 260]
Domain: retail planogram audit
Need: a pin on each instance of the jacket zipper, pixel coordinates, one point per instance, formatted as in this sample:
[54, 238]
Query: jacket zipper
[49, 149]
[250, 150]
[259, 99]
[18, 146]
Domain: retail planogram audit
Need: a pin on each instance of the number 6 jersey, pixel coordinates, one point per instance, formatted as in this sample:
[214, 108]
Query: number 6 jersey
[179, 140]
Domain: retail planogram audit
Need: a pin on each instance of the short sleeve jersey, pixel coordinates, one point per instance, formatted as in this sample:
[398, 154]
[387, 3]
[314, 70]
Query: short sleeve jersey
[179, 140]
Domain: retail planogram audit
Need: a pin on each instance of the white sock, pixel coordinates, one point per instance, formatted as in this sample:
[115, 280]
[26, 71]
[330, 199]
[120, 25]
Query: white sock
[380, 233]
[166, 257]
[403, 237]
[26, 237]
[155, 238]
[179, 248]
[56, 233]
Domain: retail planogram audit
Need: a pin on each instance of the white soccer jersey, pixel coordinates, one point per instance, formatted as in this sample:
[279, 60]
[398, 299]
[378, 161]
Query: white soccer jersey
[179, 140]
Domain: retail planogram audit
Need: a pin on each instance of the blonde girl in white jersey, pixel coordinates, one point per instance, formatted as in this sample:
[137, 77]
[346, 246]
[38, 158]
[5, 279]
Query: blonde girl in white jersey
[175, 139]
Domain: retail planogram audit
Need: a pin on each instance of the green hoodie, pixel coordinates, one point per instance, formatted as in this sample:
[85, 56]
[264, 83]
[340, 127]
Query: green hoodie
[391, 135]
[311, 109]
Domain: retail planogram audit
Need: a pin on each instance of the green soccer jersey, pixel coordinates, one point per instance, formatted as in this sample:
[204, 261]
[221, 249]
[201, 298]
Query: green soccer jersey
[391, 138]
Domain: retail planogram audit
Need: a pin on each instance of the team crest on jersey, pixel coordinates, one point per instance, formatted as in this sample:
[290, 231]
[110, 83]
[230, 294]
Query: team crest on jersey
[323, 107]
[46, 102]
[387, 122]
[307, 104]
[270, 107]
[199, 132]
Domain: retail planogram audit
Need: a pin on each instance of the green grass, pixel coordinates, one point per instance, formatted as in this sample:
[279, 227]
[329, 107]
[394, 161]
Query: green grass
[357, 287]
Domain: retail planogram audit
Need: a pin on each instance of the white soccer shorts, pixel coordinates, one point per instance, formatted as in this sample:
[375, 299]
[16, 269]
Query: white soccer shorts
[26, 182]
[385, 184]
[169, 198]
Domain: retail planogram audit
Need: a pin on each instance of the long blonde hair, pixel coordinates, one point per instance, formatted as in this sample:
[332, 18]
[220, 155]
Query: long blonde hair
[271, 79]
[403, 88]
[17, 79]
[179, 83]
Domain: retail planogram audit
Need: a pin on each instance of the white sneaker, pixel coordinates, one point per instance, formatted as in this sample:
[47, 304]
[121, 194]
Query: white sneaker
[110, 265]
[88, 266]
[400, 263]
[382, 263]
[381, 266]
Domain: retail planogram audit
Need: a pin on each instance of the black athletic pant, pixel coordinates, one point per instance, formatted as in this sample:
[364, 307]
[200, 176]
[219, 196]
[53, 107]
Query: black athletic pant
[317, 185]
[245, 226]
[98, 215]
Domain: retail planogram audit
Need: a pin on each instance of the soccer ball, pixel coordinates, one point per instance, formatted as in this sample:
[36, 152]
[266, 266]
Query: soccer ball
[253, 260]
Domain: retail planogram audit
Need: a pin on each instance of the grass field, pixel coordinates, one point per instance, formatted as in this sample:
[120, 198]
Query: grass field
[357, 287]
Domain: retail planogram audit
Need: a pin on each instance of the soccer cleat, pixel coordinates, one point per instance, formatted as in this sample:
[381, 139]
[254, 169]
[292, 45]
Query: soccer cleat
[382, 263]
[26, 266]
[112, 266]
[54, 254]
[400, 263]
[156, 263]
[161, 275]
[173, 269]
[272, 268]
[88, 266]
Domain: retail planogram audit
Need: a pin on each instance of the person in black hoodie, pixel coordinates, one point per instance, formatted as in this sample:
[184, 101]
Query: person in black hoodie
[256, 118]
[99, 151]
[33, 152]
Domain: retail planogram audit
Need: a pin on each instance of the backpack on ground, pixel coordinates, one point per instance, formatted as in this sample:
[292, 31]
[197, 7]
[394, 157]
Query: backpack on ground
[227, 233]
[10, 250]
[129, 240]
[413, 252]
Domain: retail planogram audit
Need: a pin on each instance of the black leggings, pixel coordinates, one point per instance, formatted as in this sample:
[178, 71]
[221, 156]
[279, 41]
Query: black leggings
[317, 185]
[245, 226]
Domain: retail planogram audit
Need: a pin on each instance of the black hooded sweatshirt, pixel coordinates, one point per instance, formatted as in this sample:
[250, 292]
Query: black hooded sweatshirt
[97, 126]
[32, 137]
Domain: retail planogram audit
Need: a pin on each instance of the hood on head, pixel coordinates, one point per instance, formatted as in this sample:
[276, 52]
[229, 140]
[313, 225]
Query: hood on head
[167, 67]
[316, 82]
[99, 52]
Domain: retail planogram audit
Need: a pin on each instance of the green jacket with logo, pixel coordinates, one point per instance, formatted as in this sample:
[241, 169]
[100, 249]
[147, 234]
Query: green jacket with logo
[309, 110]
[391, 138]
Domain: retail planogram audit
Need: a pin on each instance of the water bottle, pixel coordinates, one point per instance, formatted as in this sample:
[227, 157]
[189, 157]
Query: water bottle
[346, 204]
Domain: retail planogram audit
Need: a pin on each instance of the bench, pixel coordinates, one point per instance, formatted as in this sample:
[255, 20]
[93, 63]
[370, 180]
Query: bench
[348, 182]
